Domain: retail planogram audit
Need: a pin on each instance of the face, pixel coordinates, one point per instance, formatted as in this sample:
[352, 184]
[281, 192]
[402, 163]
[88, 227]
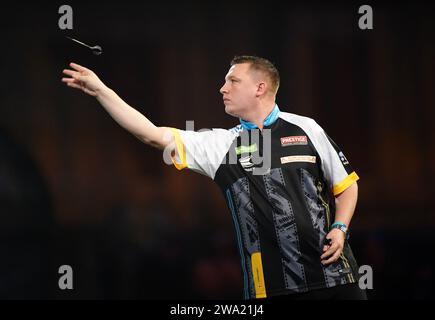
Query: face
[240, 90]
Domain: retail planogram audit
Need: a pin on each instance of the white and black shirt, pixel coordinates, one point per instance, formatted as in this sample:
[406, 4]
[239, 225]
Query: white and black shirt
[280, 186]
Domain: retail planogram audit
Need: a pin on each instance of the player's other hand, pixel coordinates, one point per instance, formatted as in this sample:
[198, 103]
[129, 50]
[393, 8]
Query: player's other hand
[332, 251]
[83, 78]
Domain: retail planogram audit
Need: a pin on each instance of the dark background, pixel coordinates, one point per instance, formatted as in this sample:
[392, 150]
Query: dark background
[76, 189]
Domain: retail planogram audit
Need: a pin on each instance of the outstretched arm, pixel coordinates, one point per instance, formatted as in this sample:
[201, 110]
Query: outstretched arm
[127, 117]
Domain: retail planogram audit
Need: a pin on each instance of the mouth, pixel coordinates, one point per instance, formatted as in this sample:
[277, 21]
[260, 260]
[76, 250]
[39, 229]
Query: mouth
[226, 99]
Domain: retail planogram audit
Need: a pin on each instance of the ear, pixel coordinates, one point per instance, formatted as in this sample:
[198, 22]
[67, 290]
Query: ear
[261, 88]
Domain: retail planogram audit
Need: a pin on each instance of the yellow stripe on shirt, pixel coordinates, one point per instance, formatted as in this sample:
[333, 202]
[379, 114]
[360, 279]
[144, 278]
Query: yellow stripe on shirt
[258, 276]
[345, 183]
[179, 150]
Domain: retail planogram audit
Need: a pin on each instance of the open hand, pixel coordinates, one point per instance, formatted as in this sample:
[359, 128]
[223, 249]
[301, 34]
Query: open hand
[84, 79]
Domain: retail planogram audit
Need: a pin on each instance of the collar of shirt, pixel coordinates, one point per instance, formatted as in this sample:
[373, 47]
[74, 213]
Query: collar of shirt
[271, 118]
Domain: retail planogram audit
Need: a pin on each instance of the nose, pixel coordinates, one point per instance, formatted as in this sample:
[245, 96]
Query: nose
[223, 90]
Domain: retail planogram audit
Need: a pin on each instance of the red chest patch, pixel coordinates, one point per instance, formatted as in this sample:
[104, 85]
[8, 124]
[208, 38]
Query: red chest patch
[294, 140]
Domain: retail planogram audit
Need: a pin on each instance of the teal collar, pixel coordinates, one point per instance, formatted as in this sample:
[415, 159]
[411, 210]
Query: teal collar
[271, 118]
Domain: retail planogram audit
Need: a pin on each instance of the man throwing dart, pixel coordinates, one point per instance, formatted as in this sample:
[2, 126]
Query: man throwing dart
[290, 190]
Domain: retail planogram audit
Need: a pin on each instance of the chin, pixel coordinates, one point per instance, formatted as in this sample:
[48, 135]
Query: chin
[230, 111]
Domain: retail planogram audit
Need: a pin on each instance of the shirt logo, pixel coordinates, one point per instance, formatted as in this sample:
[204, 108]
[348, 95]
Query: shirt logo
[246, 149]
[249, 166]
[289, 159]
[293, 141]
[246, 163]
[343, 158]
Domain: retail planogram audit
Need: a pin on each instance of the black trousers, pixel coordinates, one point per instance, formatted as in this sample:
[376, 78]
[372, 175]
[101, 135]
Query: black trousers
[342, 292]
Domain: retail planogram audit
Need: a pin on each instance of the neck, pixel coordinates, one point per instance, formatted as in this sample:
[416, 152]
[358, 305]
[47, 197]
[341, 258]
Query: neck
[260, 113]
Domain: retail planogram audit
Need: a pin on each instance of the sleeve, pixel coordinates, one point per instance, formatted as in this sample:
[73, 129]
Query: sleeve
[336, 168]
[201, 152]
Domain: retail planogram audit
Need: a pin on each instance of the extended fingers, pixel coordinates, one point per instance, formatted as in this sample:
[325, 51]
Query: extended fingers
[68, 72]
[71, 73]
[67, 80]
[77, 67]
[74, 85]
